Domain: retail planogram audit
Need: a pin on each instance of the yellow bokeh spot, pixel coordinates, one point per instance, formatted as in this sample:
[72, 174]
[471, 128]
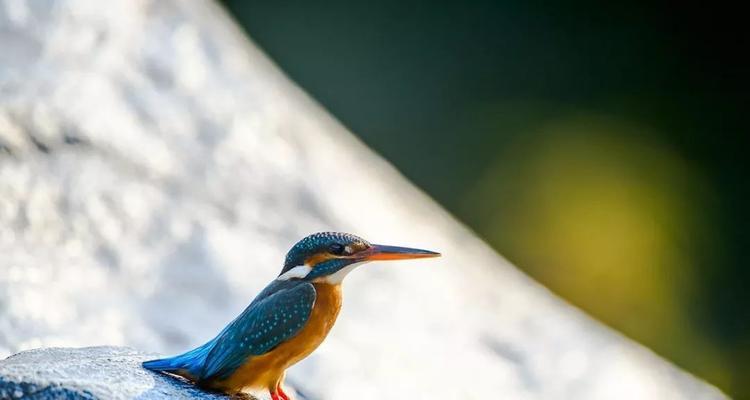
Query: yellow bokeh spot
[607, 218]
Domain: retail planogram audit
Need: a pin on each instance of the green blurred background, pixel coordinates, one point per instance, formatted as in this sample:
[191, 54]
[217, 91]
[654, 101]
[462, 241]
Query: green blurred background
[599, 147]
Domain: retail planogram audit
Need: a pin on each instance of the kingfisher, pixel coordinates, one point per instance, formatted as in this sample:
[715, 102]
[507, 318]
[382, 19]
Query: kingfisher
[286, 322]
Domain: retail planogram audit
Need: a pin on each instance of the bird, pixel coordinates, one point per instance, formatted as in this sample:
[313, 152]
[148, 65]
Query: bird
[286, 321]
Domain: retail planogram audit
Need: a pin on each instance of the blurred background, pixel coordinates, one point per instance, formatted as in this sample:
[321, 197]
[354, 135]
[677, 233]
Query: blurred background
[599, 147]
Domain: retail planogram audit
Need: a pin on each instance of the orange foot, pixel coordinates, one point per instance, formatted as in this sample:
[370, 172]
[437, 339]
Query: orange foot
[281, 393]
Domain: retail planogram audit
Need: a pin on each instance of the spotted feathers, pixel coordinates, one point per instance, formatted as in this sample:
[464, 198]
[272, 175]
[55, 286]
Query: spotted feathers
[322, 247]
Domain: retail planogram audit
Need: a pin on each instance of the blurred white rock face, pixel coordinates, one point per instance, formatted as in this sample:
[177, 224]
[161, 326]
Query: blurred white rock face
[154, 169]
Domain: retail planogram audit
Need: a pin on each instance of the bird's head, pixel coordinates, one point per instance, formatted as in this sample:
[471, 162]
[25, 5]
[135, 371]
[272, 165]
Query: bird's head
[329, 256]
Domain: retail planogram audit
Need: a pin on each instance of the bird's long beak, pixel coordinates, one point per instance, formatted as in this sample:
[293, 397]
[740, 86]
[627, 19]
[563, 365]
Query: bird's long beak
[382, 252]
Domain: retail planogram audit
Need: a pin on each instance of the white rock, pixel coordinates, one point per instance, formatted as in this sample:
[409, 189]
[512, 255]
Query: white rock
[112, 373]
[155, 166]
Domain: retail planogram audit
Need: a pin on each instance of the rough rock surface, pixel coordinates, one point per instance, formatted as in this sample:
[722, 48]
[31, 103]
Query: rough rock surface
[90, 373]
[154, 169]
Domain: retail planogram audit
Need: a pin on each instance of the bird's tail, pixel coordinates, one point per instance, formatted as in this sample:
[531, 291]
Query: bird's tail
[188, 364]
[163, 364]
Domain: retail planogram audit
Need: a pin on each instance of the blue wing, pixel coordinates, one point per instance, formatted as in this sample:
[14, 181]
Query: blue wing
[277, 314]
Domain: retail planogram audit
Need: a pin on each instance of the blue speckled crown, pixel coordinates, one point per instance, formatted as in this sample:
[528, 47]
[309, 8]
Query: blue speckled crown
[317, 243]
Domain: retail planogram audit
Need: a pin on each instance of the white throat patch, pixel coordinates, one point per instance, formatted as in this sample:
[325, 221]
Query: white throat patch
[299, 271]
[338, 276]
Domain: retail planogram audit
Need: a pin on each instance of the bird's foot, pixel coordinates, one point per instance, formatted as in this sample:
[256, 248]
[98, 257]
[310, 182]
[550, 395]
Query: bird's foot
[281, 393]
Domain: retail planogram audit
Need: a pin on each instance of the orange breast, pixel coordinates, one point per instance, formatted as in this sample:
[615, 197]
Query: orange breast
[267, 371]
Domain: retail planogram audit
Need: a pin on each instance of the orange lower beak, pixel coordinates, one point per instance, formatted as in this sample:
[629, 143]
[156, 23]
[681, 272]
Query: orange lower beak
[381, 252]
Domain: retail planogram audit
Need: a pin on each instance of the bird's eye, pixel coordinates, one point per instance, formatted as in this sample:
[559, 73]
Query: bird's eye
[336, 249]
